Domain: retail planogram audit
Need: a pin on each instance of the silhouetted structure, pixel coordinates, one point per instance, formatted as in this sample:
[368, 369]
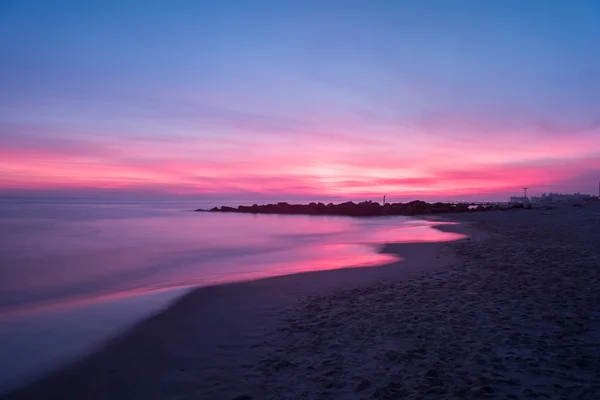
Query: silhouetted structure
[519, 199]
[362, 209]
[560, 197]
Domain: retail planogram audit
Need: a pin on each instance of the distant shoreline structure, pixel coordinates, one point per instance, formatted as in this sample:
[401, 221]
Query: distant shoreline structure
[547, 198]
[366, 208]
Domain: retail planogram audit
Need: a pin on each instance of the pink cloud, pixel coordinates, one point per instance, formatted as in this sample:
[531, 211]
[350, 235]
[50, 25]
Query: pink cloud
[363, 161]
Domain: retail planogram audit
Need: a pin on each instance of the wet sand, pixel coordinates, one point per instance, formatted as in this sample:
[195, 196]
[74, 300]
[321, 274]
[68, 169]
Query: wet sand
[511, 312]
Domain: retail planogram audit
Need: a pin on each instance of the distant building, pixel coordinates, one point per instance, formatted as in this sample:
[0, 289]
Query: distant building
[560, 197]
[519, 199]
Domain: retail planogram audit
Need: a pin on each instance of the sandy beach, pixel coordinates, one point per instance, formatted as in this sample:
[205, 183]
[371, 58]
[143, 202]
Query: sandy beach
[511, 312]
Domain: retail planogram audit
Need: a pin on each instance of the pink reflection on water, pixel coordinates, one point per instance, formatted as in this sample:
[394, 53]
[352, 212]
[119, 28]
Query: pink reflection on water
[82, 278]
[316, 258]
[70, 261]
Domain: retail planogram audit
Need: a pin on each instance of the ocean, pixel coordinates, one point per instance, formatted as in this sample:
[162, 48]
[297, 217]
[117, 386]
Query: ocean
[76, 272]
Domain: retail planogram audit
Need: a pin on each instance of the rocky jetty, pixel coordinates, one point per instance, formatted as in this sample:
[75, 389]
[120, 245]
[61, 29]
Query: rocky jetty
[363, 209]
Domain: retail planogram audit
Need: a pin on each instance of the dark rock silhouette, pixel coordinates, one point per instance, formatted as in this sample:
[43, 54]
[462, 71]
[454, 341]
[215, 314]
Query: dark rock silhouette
[362, 209]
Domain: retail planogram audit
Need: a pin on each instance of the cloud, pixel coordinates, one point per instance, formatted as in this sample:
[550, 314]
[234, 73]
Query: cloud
[326, 168]
[19, 140]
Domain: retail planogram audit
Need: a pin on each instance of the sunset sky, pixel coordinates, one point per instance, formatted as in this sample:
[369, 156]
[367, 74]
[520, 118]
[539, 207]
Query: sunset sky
[299, 99]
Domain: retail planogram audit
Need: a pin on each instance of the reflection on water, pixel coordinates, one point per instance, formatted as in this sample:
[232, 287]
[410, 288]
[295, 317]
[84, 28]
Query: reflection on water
[73, 273]
[64, 255]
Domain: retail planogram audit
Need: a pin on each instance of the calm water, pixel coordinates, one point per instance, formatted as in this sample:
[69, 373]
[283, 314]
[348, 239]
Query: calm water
[74, 273]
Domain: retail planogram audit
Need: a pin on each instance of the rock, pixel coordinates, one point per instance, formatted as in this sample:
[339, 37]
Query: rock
[391, 391]
[530, 393]
[432, 373]
[441, 208]
[349, 208]
[437, 390]
[365, 384]
[511, 381]
[482, 391]
[462, 208]
[243, 397]
[582, 363]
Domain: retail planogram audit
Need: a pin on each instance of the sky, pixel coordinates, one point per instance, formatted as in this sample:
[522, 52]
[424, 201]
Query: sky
[303, 99]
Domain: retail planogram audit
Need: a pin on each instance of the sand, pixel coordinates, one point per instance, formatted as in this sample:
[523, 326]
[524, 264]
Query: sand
[512, 312]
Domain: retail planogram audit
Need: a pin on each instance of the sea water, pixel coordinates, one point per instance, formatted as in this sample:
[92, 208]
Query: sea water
[75, 272]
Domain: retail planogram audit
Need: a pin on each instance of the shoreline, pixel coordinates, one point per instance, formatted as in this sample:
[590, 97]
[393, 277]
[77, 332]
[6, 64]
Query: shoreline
[510, 312]
[274, 293]
[517, 317]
